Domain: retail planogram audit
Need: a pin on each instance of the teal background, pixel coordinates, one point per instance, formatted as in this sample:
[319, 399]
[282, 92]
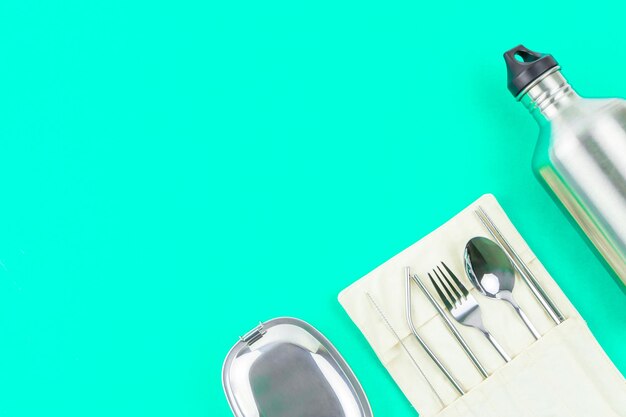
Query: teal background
[174, 172]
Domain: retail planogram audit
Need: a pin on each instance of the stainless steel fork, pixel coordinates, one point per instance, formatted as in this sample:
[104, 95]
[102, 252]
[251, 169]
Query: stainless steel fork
[462, 305]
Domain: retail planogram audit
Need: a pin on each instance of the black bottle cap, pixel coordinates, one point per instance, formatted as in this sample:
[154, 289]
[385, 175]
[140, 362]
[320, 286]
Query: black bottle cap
[525, 66]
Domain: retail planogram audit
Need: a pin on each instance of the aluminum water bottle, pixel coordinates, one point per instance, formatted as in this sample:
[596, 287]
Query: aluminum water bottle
[581, 153]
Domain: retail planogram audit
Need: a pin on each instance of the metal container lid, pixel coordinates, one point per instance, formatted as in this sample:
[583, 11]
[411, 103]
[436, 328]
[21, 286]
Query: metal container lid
[286, 368]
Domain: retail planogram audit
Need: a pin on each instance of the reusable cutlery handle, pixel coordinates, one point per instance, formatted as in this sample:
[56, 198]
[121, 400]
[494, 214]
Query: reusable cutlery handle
[527, 322]
[497, 346]
[508, 296]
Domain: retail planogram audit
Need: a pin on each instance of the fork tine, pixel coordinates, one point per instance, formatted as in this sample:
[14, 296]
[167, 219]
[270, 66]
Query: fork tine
[445, 287]
[456, 280]
[452, 287]
[443, 297]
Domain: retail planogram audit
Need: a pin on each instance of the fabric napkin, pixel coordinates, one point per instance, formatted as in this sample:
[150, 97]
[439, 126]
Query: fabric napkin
[564, 373]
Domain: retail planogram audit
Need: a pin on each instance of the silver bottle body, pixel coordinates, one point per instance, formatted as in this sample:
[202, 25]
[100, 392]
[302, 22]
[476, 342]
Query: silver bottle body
[581, 158]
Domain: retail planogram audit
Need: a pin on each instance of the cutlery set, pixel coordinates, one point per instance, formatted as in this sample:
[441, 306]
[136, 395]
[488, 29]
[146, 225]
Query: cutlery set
[284, 367]
[491, 268]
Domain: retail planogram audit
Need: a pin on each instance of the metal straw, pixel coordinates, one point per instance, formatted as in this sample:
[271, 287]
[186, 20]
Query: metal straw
[391, 329]
[430, 353]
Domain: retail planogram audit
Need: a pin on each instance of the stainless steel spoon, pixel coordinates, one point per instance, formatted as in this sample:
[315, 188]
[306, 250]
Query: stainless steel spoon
[491, 272]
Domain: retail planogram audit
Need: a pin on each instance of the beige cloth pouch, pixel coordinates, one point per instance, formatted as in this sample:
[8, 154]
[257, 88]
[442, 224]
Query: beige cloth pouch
[563, 374]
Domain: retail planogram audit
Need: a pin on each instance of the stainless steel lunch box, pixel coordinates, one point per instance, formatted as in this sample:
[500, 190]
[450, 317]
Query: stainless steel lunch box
[286, 368]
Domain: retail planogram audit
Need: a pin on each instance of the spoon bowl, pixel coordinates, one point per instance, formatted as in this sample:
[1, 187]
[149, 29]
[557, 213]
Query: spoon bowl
[491, 272]
[488, 267]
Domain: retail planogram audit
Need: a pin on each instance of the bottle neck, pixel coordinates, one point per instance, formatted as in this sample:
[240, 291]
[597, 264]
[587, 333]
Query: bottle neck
[548, 96]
